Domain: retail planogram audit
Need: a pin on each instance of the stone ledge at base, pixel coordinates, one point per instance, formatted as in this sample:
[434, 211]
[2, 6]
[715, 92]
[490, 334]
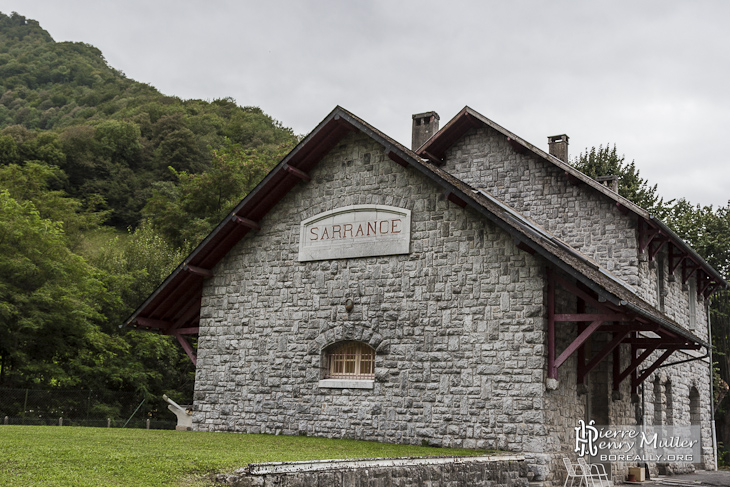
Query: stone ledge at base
[476, 471]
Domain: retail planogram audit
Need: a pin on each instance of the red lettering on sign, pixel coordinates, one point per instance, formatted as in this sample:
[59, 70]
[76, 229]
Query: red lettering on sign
[395, 228]
[325, 235]
[386, 227]
[373, 227]
[359, 230]
[346, 228]
[313, 231]
[336, 229]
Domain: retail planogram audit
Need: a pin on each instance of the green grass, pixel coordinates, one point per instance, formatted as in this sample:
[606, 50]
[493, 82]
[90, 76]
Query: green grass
[66, 456]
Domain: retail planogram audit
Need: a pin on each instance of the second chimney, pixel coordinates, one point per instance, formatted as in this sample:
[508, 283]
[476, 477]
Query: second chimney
[558, 146]
[424, 126]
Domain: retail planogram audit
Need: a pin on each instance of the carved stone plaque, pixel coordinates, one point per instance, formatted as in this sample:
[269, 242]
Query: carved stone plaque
[355, 231]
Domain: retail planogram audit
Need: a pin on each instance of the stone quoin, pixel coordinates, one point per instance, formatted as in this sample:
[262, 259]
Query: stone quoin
[474, 292]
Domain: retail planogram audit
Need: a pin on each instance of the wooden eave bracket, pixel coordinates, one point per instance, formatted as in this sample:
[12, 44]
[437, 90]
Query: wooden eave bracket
[188, 348]
[436, 160]
[646, 235]
[245, 222]
[572, 179]
[524, 246]
[516, 146]
[152, 323]
[688, 269]
[449, 195]
[296, 172]
[198, 271]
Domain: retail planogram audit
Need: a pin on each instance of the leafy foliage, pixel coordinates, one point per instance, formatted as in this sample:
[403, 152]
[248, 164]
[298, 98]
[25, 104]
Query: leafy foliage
[83, 149]
[186, 211]
[605, 161]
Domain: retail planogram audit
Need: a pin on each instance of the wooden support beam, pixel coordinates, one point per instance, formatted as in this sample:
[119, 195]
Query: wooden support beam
[198, 271]
[688, 269]
[615, 342]
[245, 222]
[646, 234]
[396, 158]
[573, 289]
[656, 245]
[188, 348]
[455, 199]
[432, 157]
[572, 179]
[704, 284]
[297, 172]
[552, 368]
[647, 372]
[593, 317]
[635, 326]
[580, 340]
[622, 208]
[636, 361]
[191, 311]
[524, 247]
[616, 362]
[152, 323]
[516, 146]
[193, 330]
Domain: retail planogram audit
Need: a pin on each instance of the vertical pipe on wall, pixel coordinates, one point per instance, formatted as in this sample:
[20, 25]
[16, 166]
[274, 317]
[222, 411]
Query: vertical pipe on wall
[712, 380]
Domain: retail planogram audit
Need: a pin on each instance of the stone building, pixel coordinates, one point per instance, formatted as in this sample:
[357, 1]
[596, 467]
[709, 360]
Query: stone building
[472, 292]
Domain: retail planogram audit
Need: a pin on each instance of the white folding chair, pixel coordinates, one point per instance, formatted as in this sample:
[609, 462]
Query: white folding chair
[595, 473]
[573, 473]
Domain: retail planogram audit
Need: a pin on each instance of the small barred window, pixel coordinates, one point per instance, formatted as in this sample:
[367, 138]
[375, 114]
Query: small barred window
[350, 360]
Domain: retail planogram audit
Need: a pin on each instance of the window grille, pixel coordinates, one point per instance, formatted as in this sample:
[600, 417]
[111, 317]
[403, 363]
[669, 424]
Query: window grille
[350, 361]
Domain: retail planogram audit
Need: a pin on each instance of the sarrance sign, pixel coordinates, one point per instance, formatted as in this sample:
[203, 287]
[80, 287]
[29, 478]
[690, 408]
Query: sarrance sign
[355, 231]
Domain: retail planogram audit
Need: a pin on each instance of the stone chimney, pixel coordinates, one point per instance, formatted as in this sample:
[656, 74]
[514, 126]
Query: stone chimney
[558, 146]
[424, 126]
[609, 181]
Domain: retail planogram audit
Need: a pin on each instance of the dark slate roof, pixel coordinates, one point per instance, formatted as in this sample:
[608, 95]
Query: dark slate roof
[174, 307]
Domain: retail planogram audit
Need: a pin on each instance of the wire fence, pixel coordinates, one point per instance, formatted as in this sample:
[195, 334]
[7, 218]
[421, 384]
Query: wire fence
[104, 409]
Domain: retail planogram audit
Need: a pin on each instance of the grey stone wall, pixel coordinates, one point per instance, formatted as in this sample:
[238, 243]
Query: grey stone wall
[465, 471]
[458, 323]
[582, 217]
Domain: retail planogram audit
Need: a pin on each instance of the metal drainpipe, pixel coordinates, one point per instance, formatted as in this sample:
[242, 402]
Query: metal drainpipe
[712, 382]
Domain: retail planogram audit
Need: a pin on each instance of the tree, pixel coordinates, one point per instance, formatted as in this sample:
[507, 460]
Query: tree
[605, 161]
[48, 298]
[186, 211]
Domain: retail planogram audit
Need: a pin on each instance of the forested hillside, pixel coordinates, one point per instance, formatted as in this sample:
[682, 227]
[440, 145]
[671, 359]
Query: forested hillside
[105, 184]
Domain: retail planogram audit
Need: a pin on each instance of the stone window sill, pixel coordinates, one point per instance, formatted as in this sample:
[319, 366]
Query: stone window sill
[346, 384]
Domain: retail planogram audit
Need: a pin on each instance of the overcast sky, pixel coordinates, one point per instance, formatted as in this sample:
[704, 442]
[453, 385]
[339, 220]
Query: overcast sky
[649, 76]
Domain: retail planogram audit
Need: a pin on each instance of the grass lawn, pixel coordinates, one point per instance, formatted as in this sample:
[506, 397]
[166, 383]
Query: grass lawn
[68, 456]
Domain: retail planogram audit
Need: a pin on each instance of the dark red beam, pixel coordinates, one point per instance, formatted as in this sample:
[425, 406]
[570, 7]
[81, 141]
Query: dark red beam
[593, 317]
[188, 348]
[455, 199]
[610, 346]
[296, 172]
[647, 372]
[152, 323]
[396, 158]
[580, 340]
[245, 222]
[635, 363]
[193, 330]
[198, 271]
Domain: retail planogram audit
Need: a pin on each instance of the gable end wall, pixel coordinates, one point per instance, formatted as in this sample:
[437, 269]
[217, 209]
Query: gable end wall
[458, 325]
